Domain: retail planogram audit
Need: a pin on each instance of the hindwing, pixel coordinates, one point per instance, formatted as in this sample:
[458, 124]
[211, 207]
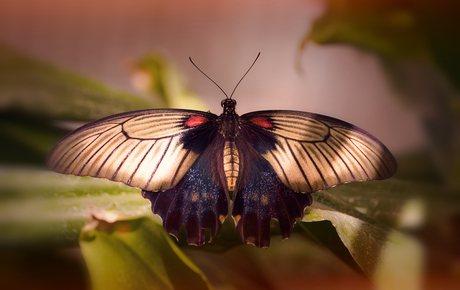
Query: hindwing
[260, 196]
[199, 200]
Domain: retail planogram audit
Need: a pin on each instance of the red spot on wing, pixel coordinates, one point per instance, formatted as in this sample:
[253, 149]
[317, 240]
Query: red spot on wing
[262, 122]
[193, 121]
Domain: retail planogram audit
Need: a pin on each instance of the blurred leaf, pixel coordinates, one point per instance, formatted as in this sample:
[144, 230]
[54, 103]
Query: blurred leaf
[388, 28]
[381, 252]
[38, 89]
[26, 139]
[154, 75]
[421, 30]
[391, 259]
[439, 22]
[40, 207]
[136, 254]
[428, 93]
[418, 166]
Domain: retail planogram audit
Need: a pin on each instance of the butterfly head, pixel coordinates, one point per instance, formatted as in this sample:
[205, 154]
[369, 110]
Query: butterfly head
[229, 105]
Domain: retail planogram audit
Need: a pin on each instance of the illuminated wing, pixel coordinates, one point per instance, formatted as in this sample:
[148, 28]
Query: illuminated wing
[312, 152]
[150, 149]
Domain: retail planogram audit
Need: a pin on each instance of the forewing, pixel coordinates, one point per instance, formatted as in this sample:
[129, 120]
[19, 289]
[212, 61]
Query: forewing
[312, 152]
[150, 149]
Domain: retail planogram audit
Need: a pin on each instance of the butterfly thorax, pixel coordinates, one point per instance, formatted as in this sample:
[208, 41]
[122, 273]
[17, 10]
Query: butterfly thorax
[229, 120]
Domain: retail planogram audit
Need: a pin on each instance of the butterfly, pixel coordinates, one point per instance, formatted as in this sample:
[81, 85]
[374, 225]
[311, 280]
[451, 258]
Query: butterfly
[193, 165]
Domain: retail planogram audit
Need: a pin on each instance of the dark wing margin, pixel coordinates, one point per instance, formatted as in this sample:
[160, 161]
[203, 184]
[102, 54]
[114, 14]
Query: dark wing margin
[150, 149]
[311, 152]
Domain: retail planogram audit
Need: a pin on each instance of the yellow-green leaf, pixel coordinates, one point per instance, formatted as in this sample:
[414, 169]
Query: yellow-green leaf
[136, 254]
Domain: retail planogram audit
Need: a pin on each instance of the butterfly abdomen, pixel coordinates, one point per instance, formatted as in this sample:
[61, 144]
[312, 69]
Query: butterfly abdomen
[231, 164]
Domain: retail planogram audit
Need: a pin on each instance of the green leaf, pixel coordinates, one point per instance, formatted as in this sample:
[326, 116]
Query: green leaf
[136, 254]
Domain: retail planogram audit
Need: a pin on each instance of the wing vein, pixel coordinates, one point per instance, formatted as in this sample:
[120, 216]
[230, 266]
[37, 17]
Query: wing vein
[316, 167]
[328, 162]
[336, 153]
[354, 157]
[94, 154]
[282, 169]
[108, 156]
[297, 162]
[180, 165]
[81, 151]
[139, 164]
[124, 159]
[159, 162]
[367, 157]
[377, 155]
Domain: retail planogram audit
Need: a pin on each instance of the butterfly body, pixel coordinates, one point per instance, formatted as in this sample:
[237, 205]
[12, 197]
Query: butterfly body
[231, 164]
[191, 164]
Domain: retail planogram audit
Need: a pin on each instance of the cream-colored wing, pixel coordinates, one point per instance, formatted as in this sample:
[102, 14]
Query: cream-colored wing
[311, 152]
[149, 149]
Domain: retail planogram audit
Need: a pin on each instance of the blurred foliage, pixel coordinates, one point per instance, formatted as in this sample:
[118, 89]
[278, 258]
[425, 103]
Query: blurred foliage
[29, 87]
[40, 208]
[26, 138]
[418, 42]
[155, 76]
[421, 30]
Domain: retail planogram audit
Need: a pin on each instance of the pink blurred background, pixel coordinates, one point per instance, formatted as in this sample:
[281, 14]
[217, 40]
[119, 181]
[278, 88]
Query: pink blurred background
[101, 38]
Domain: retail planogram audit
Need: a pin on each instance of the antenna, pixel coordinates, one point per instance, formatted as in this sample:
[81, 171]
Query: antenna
[245, 74]
[217, 84]
[207, 76]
